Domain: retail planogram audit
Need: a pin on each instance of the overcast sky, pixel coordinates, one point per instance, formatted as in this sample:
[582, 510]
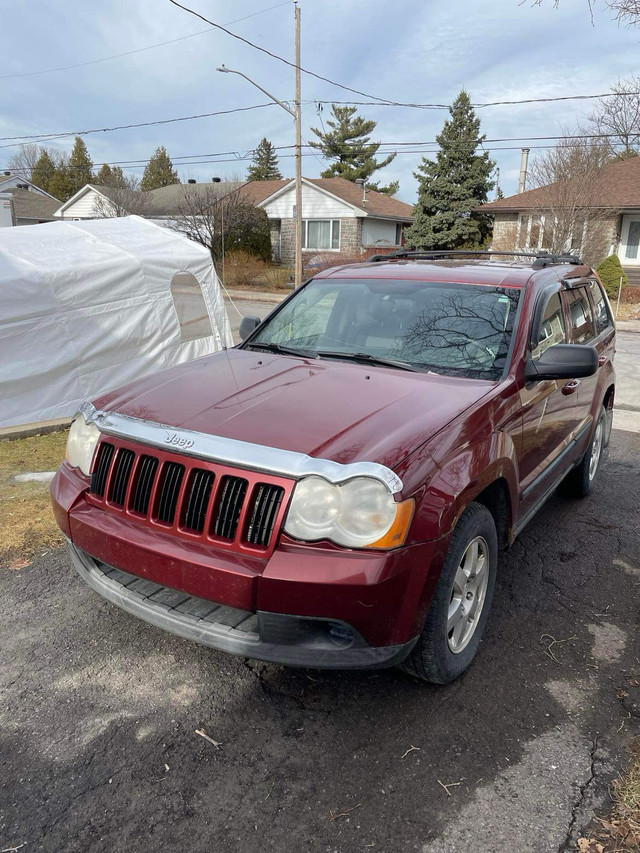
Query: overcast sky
[409, 50]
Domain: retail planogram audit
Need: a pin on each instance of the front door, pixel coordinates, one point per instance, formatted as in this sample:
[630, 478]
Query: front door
[630, 240]
[549, 413]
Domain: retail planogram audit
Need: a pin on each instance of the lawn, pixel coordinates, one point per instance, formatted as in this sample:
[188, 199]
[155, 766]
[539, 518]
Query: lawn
[27, 526]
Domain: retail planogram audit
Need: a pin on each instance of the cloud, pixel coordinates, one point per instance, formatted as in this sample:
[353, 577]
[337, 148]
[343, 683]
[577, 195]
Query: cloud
[413, 50]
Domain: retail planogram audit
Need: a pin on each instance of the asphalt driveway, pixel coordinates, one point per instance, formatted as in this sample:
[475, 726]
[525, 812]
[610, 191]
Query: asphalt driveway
[99, 712]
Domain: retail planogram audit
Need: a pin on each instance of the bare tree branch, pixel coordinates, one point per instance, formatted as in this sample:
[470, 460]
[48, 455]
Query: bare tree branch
[572, 215]
[619, 117]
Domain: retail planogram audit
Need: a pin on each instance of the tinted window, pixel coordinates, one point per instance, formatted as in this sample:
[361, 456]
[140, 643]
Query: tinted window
[603, 320]
[582, 323]
[552, 328]
[454, 329]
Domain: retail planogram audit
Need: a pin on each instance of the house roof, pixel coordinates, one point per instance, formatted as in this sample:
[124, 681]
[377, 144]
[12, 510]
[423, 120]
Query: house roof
[167, 201]
[377, 204]
[16, 179]
[619, 182]
[32, 205]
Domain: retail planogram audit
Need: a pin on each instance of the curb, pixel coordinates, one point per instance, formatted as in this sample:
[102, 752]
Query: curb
[27, 430]
[255, 296]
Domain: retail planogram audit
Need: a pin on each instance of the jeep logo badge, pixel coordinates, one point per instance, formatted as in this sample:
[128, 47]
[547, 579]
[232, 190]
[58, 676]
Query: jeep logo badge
[178, 441]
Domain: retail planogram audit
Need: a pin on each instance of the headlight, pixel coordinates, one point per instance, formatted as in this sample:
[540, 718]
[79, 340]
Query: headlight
[359, 513]
[81, 443]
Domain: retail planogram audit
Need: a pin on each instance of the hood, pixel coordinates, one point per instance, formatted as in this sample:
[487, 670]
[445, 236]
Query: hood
[330, 409]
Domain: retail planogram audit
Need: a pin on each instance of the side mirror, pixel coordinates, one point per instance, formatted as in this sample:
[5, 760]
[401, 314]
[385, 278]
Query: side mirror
[247, 325]
[563, 361]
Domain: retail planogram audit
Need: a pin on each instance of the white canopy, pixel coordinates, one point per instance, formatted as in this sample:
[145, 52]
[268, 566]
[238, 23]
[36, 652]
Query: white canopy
[87, 306]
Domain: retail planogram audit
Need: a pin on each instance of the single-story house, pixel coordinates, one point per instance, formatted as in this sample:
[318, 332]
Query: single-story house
[605, 218]
[338, 215]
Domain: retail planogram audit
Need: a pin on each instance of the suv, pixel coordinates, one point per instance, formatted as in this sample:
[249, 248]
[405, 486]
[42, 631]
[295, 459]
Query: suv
[335, 491]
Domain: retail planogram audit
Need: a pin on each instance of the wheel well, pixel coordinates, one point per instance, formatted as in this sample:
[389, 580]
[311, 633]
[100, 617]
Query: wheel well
[608, 397]
[497, 500]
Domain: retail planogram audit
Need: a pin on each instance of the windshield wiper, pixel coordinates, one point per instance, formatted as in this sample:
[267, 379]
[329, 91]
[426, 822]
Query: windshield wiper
[282, 350]
[367, 358]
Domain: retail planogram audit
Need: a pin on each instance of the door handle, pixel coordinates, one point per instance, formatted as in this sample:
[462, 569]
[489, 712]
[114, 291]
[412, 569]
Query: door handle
[570, 387]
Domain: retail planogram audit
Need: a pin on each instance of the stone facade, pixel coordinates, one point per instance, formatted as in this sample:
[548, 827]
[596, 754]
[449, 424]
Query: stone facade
[274, 230]
[285, 235]
[505, 231]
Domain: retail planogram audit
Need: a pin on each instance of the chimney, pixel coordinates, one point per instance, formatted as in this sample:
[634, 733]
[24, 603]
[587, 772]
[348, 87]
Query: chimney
[524, 162]
[191, 181]
[361, 183]
[216, 180]
[8, 173]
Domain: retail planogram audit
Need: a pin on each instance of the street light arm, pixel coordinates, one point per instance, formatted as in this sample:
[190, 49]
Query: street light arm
[226, 70]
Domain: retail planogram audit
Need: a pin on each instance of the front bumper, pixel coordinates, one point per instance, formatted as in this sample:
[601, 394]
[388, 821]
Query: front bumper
[275, 637]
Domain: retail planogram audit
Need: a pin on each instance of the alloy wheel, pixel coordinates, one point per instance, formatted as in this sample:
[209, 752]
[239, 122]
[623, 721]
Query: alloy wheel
[468, 594]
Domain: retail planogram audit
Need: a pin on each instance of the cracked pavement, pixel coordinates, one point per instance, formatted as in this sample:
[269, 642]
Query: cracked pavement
[99, 712]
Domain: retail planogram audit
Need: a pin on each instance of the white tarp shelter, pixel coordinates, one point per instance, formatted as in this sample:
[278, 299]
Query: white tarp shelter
[87, 306]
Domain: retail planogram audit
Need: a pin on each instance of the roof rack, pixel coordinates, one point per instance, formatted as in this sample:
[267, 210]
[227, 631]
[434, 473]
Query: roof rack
[540, 259]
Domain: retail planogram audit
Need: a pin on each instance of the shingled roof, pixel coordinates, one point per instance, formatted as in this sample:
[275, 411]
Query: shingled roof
[32, 205]
[620, 183]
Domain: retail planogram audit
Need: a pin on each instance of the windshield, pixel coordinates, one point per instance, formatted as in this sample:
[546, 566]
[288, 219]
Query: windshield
[448, 328]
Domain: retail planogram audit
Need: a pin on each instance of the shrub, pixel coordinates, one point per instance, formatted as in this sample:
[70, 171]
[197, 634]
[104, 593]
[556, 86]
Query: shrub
[610, 271]
[242, 269]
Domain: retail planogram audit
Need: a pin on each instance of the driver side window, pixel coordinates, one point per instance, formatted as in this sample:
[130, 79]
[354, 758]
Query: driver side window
[552, 327]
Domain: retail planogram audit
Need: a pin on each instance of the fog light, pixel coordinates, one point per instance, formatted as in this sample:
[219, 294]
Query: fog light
[341, 635]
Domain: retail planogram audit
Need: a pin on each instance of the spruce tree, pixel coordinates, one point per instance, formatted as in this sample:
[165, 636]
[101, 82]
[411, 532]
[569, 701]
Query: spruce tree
[80, 165]
[159, 171]
[453, 185]
[264, 166]
[348, 144]
[43, 171]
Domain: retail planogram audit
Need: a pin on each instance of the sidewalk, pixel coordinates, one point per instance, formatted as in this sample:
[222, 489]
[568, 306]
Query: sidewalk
[261, 296]
[628, 326]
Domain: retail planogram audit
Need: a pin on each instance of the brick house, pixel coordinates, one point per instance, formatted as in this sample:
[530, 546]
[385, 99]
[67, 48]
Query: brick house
[609, 224]
[338, 216]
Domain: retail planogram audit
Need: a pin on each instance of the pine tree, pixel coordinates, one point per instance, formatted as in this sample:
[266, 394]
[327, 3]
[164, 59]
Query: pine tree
[112, 176]
[43, 171]
[159, 171]
[61, 185]
[80, 165]
[452, 186]
[264, 166]
[348, 144]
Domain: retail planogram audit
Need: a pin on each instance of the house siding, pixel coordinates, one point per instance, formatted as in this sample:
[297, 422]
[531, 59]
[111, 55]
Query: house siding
[82, 208]
[315, 205]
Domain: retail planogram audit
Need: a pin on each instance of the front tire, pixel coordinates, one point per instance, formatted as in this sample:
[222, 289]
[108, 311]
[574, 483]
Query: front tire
[460, 606]
[579, 482]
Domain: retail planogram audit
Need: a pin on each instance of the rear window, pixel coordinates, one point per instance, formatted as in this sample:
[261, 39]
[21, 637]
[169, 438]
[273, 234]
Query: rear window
[582, 320]
[603, 318]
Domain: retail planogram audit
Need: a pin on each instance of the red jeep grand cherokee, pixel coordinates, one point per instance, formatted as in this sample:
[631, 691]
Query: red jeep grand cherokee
[334, 491]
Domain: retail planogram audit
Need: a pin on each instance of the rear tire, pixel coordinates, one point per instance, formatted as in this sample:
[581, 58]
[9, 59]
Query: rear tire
[579, 482]
[460, 606]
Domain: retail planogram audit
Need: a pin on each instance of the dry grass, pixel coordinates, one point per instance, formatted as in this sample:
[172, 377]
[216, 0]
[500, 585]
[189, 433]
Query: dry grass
[243, 271]
[620, 831]
[27, 525]
[628, 311]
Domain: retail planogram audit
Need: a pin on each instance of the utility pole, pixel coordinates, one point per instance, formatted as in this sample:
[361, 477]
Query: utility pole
[297, 116]
[298, 149]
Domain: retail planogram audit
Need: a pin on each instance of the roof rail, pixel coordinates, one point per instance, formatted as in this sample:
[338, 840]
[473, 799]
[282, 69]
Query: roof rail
[540, 259]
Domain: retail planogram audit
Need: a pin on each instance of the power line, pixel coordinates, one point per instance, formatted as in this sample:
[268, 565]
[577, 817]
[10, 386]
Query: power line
[385, 103]
[48, 137]
[139, 50]
[277, 56]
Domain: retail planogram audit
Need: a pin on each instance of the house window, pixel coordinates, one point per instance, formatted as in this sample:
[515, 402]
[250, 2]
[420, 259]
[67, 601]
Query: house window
[398, 234]
[321, 234]
[188, 301]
